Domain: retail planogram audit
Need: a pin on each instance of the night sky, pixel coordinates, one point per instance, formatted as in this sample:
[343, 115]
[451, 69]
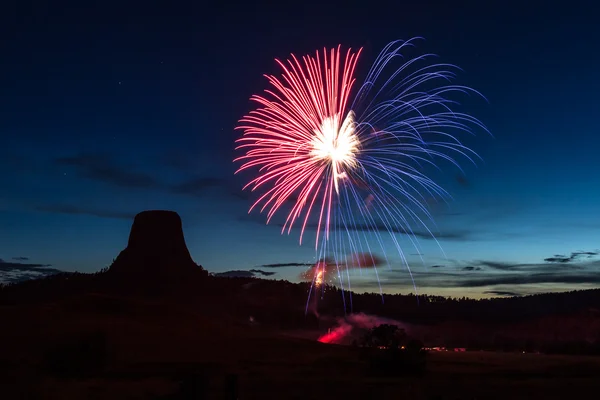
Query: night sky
[108, 109]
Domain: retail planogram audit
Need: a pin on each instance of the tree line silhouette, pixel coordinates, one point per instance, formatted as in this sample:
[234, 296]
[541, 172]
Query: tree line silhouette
[553, 323]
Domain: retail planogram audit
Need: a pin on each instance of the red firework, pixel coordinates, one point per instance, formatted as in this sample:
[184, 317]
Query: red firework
[303, 137]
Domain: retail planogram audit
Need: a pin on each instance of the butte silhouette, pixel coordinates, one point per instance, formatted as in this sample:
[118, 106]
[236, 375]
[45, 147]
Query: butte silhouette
[156, 256]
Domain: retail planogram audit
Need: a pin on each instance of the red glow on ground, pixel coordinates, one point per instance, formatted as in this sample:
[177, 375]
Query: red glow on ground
[329, 337]
[336, 335]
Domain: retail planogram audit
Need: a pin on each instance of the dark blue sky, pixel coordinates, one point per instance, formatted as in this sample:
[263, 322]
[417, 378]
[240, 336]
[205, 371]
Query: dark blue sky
[108, 109]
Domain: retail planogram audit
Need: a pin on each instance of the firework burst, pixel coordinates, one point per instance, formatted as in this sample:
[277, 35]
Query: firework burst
[301, 135]
[353, 162]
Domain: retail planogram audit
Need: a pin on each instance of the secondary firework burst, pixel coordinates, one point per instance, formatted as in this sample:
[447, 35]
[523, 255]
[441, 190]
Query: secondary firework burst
[322, 273]
[350, 161]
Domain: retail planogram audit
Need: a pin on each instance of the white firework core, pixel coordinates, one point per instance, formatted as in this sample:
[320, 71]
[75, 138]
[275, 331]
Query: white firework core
[336, 145]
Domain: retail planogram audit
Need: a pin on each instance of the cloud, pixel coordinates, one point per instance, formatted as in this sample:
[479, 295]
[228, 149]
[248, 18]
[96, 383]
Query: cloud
[456, 235]
[364, 260]
[235, 274]
[521, 279]
[104, 169]
[451, 213]
[177, 160]
[498, 277]
[330, 269]
[576, 260]
[5, 264]
[558, 259]
[285, 265]
[503, 293]
[447, 235]
[576, 255]
[11, 272]
[576, 268]
[261, 272]
[243, 195]
[74, 210]
[253, 273]
[19, 259]
[500, 265]
[520, 267]
[462, 181]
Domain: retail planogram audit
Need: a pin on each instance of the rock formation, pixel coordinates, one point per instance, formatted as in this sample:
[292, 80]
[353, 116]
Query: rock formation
[156, 253]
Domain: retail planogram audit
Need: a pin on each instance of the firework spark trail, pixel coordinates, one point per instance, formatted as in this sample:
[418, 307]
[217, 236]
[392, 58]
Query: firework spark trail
[354, 163]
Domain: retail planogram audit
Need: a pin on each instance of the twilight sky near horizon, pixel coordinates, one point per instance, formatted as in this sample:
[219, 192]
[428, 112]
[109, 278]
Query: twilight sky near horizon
[113, 108]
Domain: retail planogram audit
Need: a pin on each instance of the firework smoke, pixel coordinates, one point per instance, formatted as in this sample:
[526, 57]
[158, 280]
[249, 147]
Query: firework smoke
[354, 326]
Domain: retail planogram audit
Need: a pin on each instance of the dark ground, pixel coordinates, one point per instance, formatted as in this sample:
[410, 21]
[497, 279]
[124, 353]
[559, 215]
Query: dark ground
[99, 346]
